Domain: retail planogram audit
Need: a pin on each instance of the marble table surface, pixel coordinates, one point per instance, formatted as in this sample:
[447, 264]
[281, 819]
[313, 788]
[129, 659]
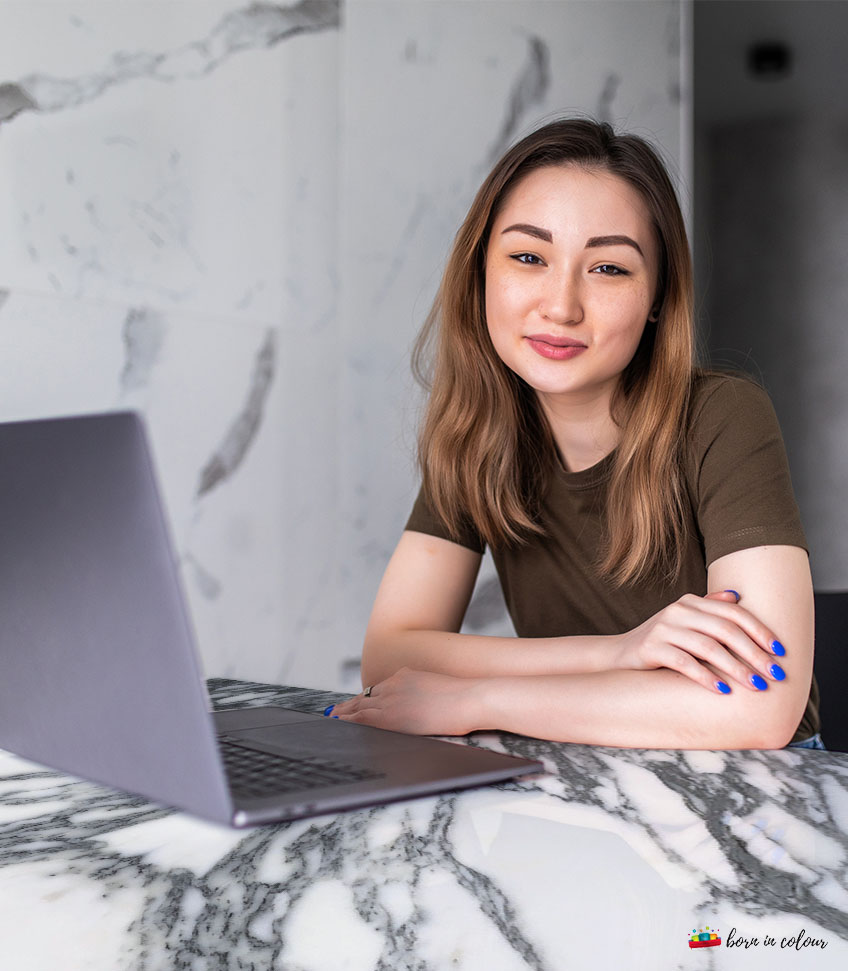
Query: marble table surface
[608, 861]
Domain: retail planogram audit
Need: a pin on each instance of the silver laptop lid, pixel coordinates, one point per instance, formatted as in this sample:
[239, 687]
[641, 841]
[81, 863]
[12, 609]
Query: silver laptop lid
[77, 497]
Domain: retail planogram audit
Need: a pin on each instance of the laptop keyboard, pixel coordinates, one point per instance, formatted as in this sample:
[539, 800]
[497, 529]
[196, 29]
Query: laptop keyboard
[255, 773]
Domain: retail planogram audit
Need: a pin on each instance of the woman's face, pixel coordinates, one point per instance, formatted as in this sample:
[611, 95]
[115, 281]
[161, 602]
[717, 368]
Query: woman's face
[571, 275]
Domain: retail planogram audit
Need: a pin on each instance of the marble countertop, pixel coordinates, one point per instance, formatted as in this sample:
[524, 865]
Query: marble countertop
[609, 861]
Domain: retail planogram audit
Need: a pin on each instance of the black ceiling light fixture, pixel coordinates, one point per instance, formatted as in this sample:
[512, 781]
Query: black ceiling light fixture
[769, 60]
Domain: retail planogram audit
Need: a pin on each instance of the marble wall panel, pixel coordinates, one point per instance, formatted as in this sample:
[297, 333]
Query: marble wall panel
[168, 204]
[160, 172]
[232, 216]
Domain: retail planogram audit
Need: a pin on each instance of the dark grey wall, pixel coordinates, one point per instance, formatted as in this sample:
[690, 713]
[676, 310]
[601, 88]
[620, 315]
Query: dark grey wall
[771, 242]
[778, 303]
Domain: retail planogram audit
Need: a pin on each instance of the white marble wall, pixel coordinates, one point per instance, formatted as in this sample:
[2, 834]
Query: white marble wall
[232, 216]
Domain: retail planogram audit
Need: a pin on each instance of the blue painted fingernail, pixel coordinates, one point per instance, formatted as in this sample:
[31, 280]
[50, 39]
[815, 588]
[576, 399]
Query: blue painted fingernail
[777, 648]
[723, 688]
[328, 709]
[777, 672]
[735, 594]
[335, 716]
[758, 682]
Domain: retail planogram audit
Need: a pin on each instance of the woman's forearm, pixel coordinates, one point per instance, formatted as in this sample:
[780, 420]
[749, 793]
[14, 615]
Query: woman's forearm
[482, 656]
[624, 708]
[388, 648]
[704, 672]
[637, 709]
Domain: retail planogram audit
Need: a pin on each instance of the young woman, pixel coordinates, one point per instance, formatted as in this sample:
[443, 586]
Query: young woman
[639, 511]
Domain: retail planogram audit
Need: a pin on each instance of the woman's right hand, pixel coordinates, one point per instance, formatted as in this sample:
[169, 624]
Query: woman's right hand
[711, 640]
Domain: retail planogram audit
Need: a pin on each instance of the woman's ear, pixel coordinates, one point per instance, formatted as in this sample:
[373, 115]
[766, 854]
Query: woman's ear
[654, 315]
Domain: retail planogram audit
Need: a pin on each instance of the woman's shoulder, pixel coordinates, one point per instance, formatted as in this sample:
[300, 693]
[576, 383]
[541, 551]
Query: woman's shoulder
[721, 397]
[736, 468]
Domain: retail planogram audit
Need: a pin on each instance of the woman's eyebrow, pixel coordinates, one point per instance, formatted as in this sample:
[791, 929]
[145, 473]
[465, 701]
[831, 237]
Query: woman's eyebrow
[544, 234]
[614, 241]
[591, 243]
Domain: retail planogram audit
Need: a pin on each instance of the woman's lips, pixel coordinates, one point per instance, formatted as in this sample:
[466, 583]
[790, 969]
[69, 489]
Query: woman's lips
[555, 348]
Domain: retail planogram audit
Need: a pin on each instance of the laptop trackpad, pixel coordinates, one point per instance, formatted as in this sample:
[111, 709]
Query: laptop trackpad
[236, 719]
[336, 740]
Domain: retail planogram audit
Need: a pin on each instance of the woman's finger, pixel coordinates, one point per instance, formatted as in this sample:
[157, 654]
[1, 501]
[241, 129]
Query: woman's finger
[354, 703]
[729, 596]
[741, 658]
[711, 640]
[686, 664]
[736, 628]
[704, 660]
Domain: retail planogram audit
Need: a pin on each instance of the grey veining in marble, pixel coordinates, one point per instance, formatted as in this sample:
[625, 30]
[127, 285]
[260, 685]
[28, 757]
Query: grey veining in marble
[528, 90]
[258, 25]
[13, 100]
[757, 841]
[607, 98]
[232, 450]
[143, 336]
[208, 584]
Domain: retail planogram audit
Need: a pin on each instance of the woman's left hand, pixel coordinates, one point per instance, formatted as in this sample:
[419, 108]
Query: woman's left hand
[415, 702]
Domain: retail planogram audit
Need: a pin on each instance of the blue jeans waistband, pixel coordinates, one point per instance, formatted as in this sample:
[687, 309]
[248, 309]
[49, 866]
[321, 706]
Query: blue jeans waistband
[814, 741]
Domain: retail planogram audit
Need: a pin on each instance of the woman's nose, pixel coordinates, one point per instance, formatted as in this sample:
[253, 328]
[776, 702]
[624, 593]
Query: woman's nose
[561, 301]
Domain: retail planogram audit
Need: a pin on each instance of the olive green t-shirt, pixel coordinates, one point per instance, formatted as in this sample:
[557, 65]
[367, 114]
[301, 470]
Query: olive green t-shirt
[740, 496]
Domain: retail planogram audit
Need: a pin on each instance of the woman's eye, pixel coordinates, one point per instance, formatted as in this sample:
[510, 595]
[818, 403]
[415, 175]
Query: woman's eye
[607, 269]
[529, 258]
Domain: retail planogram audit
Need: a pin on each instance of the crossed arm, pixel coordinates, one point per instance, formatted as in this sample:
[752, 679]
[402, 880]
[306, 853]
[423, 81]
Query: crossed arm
[652, 687]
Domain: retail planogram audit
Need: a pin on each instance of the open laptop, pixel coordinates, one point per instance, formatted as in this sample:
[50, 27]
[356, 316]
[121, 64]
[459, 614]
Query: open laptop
[99, 674]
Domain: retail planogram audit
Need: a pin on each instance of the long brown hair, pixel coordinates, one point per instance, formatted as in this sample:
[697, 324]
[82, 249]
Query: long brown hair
[486, 450]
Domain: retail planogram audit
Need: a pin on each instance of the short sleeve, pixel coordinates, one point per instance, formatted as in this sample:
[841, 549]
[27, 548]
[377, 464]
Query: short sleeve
[737, 471]
[423, 519]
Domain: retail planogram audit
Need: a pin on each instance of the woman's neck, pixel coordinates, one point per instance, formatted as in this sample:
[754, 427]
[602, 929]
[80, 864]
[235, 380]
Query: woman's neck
[583, 429]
